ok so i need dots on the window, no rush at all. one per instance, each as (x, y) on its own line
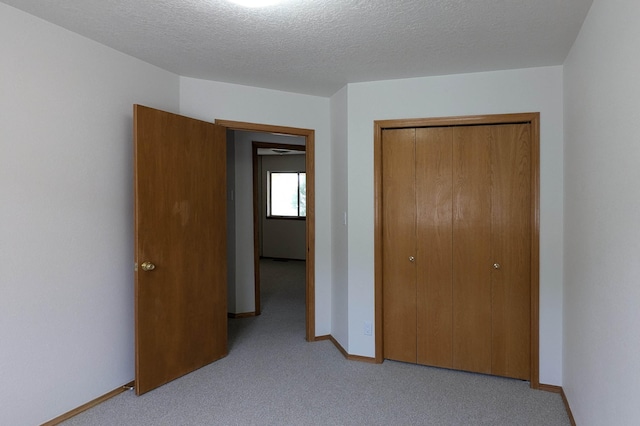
(287, 194)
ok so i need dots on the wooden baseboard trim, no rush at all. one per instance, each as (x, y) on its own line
(558, 389)
(550, 388)
(90, 404)
(320, 338)
(344, 352)
(360, 358)
(339, 347)
(241, 315)
(566, 404)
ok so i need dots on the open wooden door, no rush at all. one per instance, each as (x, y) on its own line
(180, 246)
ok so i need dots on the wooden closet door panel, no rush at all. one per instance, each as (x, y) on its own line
(511, 245)
(399, 230)
(434, 256)
(472, 249)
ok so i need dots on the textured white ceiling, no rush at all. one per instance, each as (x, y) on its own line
(318, 46)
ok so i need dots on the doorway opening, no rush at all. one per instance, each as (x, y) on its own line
(279, 204)
(308, 136)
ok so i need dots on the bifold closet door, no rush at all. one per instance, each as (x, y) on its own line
(472, 248)
(399, 251)
(434, 154)
(456, 220)
(492, 249)
(511, 250)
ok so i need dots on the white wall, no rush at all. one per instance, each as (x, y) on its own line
(243, 290)
(602, 207)
(527, 90)
(339, 242)
(66, 215)
(209, 100)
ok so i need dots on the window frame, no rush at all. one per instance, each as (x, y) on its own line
(270, 216)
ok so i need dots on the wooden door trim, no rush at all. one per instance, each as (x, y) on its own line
(527, 117)
(256, 229)
(309, 135)
(534, 119)
(256, 209)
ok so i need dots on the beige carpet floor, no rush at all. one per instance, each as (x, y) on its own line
(272, 376)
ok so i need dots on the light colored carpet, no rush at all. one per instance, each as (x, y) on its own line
(272, 376)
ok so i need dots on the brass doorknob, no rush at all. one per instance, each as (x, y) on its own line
(148, 266)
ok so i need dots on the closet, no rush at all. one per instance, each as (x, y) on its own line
(455, 212)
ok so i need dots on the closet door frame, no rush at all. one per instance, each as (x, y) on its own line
(533, 118)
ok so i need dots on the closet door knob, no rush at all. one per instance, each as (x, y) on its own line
(496, 266)
(148, 266)
(412, 259)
